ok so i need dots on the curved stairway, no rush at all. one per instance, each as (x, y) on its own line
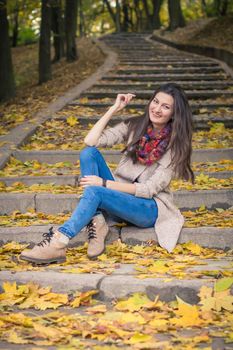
(142, 66)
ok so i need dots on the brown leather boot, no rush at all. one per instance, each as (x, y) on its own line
(50, 249)
(97, 233)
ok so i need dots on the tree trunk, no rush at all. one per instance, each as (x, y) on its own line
(175, 15)
(126, 21)
(110, 10)
(156, 23)
(148, 24)
(57, 29)
(82, 30)
(138, 16)
(7, 85)
(45, 72)
(118, 17)
(71, 12)
(15, 25)
(220, 7)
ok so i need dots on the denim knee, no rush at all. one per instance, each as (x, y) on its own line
(92, 191)
(87, 152)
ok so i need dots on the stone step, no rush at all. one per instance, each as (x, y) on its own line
(173, 70)
(200, 121)
(203, 85)
(155, 63)
(165, 77)
(102, 93)
(55, 156)
(167, 60)
(209, 237)
(72, 179)
(195, 107)
(108, 285)
(60, 203)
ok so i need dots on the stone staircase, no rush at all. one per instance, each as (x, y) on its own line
(142, 66)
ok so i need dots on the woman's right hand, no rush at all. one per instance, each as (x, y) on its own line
(121, 101)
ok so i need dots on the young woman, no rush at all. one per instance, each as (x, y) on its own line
(158, 148)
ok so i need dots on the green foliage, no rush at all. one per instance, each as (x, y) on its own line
(27, 36)
(192, 9)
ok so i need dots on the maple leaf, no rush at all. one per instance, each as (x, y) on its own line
(134, 303)
(13, 337)
(72, 120)
(223, 284)
(189, 315)
(83, 298)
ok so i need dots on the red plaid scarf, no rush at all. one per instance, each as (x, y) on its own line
(152, 146)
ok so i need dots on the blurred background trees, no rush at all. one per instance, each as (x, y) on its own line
(58, 23)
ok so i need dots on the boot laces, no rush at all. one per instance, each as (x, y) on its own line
(91, 230)
(47, 239)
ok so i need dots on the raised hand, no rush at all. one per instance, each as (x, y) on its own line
(122, 100)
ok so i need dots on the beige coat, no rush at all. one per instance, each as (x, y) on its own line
(151, 182)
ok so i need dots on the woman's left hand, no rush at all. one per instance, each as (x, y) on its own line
(91, 180)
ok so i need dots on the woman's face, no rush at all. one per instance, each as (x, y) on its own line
(161, 110)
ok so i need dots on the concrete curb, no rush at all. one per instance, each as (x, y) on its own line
(63, 203)
(54, 156)
(120, 284)
(22, 132)
(211, 237)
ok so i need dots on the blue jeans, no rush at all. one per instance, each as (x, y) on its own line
(141, 212)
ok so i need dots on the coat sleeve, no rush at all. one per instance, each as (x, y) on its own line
(158, 182)
(113, 136)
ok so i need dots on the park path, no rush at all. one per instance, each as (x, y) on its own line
(142, 66)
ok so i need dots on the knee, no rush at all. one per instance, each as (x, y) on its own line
(87, 153)
(92, 191)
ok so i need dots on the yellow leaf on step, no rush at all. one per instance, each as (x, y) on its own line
(16, 339)
(139, 338)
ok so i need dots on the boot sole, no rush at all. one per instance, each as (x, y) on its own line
(42, 261)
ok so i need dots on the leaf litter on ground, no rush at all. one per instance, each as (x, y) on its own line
(202, 182)
(135, 322)
(59, 134)
(147, 260)
(218, 217)
(16, 167)
(31, 97)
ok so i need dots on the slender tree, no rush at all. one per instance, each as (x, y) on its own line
(15, 33)
(126, 20)
(82, 24)
(57, 26)
(7, 83)
(138, 13)
(45, 71)
(152, 19)
(116, 16)
(71, 11)
(220, 7)
(156, 24)
(175, 15)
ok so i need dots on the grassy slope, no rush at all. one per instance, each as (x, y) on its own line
(32, 97)
(214, 32)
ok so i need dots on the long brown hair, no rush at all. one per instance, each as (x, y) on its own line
(181, 136)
